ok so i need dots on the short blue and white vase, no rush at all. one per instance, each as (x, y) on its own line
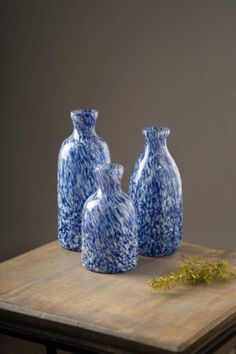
(76, 181)
(109, 227)
(156, 190)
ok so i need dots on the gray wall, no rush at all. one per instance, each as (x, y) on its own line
(139, 63)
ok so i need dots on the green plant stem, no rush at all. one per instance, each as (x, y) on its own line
(194, 271)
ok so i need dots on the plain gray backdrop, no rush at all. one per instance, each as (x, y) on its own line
(139, 63)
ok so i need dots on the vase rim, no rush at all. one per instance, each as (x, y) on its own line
(84, 111)
(159, 132)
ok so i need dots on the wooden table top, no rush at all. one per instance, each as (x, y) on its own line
(49, 285)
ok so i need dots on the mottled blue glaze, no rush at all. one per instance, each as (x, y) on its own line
(109, 227)
(155, 188)
(79, 155)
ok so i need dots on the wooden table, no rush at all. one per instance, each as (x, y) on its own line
(50, 304)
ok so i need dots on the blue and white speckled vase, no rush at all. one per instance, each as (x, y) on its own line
(155, 188)
(109, 227)
(79, 155)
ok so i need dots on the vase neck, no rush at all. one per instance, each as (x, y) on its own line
(155, 137)
(109, 177)
(84, 122)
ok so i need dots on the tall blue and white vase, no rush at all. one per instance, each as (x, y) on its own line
(109, 227)
(78, 157)
(155, 188)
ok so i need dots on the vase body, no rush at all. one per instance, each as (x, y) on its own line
(78, 157)
(109, 227)
(156, 190)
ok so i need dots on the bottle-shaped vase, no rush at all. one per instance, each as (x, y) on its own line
(78, 157)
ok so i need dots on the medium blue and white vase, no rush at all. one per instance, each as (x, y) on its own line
(78, 157)
(109, 227)
(156, 190)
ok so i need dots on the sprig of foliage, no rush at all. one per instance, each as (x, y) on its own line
(195, 271)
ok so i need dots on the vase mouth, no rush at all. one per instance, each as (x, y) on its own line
(87, 116)
(111, 168)
(156, 132)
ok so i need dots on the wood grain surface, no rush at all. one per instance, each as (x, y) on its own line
(50, 284)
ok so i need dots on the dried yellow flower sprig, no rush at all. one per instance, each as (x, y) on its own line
(195, 271)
